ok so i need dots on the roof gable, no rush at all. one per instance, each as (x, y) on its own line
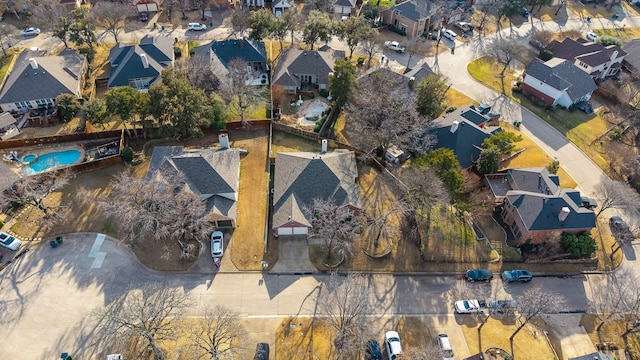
(296, 61)
(54, 75)
(563, 76)
(248, 50)
(126, 61)
(411, 11)
(590, 53)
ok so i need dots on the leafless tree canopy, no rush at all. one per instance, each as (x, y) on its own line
(199, 73)
(160, 208)
(33, 190)
(234, 89)
(616, 195)
(220, 335)
(609, 302)
(147, 316)
(335, 226)
(378, 120)
(344, 305)
(536, 301)
(111, 16)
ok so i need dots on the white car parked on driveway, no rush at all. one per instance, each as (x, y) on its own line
(196, 27)
(9, 241)
(394, 45)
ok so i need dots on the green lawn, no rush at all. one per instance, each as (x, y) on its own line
(626, 34)
(385, 3)
(582, 129)
(5, 61)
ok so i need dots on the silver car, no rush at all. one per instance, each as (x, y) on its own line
(217, 244)
(9, 241)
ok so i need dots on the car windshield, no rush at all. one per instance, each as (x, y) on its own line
(392, 339)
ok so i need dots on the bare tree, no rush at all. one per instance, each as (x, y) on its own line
(414, 46)
(378, 120)
(536, 301)
(429, 351)
(219, 335)
(632, 304)
(505, 50)
(609, 300)
(236, 89)
(146, 316)
(345, 306)
(33, 191)
(239, 21)
(371, 47)
(334, 225)
(199, 73)
(159, 208)
(486, 10)
(111, 16)
(616, 195)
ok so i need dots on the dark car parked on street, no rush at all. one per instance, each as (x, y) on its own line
(262, 352)
(517, 275)
(373, 350)
(479, 275)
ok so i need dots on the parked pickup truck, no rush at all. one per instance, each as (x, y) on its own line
(470, 306)
(394, 45)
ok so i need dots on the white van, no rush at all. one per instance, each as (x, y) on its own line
(449, 34)
(445, 346)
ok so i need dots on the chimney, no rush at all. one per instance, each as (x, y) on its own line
(324, 146)
(564, 212)
(454, 126)
(224, 140)
(34, 63)
(145, 61)
(614, 55)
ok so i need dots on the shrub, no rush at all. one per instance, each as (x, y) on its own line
(553, 166)
(451, 109)
(127, 154)
(578, 246)
(516, 89)
(545, 55)
(323, 93)
(319, 123)
(177, 51)
(361, 61)
(1, 224)
(610, 40)
(397, 30)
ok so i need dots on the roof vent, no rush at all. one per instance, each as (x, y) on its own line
(145, 61)
(454, 126)
(324, 146)
(33, 63)
(224, 140)
(564, 212)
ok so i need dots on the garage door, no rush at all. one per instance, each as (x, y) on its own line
(285, 231)
(300, 231)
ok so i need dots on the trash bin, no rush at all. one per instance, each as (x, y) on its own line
(53, 244)
(59, 240)
(211, 23)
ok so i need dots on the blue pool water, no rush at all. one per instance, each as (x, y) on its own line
(28, 158)
(52, 159)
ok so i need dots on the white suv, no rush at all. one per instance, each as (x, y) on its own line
(449, 34)
(196, 27)
(392, 343)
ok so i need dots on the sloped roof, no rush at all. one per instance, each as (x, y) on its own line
(55, 75)
(411, 11)
(212, 174)
(346, 3)
(590, 53)
(465, 142)
(593, 356)
(296, 61)
(126, 62)
(633, 50)
(6, 119)
(562, 75)
(538, 200)
(301, 177)
(226, 50)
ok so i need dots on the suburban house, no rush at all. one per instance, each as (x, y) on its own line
(412, 17)
(212, 174)
(344, 7)
(302, 177)
(147, 5)
(410, 77)
(37, 80)
(463, 131)
(254, 3)
(557, 82)
(281, 6)
(595, 59)
(534, 206)
(631, 63)
(300, 69)
(140, 66)
(220, 54)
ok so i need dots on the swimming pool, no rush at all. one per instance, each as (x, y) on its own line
(50, 160)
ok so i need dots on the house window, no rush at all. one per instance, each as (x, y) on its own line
(138, 83)
(23, 104)
(403, 27)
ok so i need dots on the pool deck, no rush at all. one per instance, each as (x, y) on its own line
(39, 151)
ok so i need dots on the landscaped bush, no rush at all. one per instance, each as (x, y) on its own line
(610, 40)
(192, 45)
(361, 61)
(516, 89)
(319, 123)
(177, 51)
(578, 246)
(451, 109)
(127, 154)
(545, 55)
(323, 93)
(397, 30)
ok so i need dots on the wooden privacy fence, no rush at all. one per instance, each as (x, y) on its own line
(57, 139)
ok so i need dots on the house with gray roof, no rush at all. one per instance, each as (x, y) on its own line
(211, 174)
(302, 69)
(219, 54)
(534, 206)
(343, 7)
(557, 82)
(36, 80)
(463, 131)
(140, 66)
(595, 59)
(302, 177)
(410, 77)
(413, 16)
(631, 62)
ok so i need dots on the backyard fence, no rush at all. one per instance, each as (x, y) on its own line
(57, 139)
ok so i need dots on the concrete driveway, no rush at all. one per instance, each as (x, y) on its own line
(293, 255)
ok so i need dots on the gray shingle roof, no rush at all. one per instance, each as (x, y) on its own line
(55, 75)
(296, 62)
(633, 50)
(562, 75)
(539, 199)
(226, 50)
(465, 142)
(301, 177)
(212, 174)
(593, 356)
(409, 10)
(6, 119)
(126, 62)
(590, 53)
(346, 3)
